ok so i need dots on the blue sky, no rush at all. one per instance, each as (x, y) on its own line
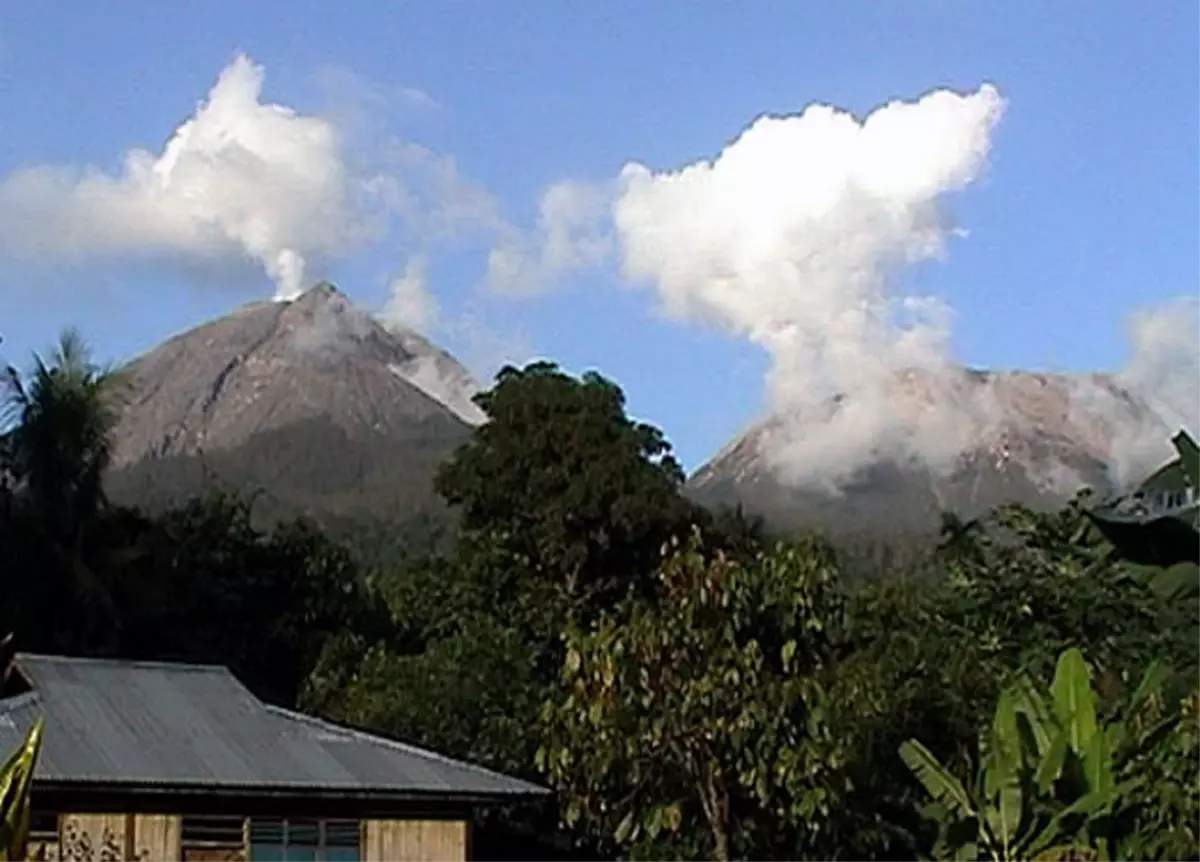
(1085, 211)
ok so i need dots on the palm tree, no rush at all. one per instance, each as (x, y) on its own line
(57, 420)
(60, 417)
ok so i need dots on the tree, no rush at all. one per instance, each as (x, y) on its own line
(701, 711)
(469, 697)
(582, 495)
(1168, 793)
(57, 421)
(61, 416)
(1025, 585)
(927, 657)
(564, 504)
(220, 590)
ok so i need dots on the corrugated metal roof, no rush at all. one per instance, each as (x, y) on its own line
(156, 724)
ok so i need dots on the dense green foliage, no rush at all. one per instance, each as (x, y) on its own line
(690, 689)
(705, 704)
(1056, 776)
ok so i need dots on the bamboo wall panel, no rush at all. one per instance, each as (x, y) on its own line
(85, 837)
(156, 836)
(415, 841)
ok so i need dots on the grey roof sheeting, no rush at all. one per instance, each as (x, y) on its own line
(157, 725)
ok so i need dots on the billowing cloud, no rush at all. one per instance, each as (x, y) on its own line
(793, 237)
(240, 178)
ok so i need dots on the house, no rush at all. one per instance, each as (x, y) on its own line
(150, 760)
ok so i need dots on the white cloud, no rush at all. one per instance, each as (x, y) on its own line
(436, 203)
(418, 98)
(239, 178)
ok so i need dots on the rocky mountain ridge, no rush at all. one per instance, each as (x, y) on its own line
(311, 404)
(271, 364)
(1007, 436)
(320, 409)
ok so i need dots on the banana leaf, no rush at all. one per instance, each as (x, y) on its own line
(16, 781)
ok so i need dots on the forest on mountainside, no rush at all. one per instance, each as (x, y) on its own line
(688, 686)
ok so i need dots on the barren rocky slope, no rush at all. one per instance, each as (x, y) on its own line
(1037, 442)
(311, 402)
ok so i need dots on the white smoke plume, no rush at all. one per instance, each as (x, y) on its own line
(239, 179)
(410, 313)
(1163, 369)
(793, 237)
(410, 302)
(444, 380)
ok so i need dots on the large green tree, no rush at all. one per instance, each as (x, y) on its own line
(572, 487)
(564, 506)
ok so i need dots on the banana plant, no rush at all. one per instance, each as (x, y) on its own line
(1049, 784)
(16, 782)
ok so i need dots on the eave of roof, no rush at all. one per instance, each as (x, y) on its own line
(160, 728)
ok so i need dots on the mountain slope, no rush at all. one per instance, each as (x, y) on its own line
(310, 402)
(1038, 444)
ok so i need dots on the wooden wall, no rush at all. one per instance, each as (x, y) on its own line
(415, 840)
(112, 836)
(158, 837)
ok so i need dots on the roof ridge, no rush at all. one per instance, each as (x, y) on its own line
(397, 744)
(157, 664)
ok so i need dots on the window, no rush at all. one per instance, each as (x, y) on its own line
(43, 825)
(303, 840)
(213, 831)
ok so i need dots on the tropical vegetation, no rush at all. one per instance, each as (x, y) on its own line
(690, 686)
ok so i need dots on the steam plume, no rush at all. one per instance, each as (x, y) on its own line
(792, 237)
(410, 303)
(240, 178)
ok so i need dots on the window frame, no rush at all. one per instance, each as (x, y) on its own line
(212, 830)
(283, 827)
